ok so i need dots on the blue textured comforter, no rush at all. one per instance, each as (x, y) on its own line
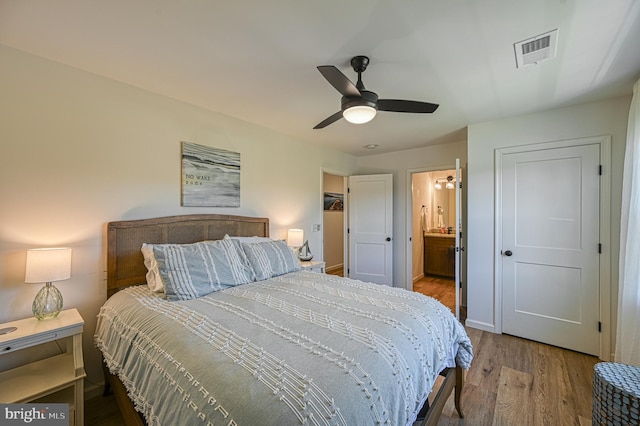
(302, 348)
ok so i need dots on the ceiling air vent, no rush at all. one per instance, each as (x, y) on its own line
(534, 50)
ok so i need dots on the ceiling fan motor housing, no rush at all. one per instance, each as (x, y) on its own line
(359, 63)
(367, 98)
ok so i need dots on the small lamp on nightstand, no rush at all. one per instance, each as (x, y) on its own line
(46, 266)
(295, 238)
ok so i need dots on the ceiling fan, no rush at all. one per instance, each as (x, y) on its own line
(360, 105)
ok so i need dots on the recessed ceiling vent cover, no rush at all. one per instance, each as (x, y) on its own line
(534, 50)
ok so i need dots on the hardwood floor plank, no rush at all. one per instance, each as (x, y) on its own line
(102, 411)
(439, 288)
(495, 351)
(513, 401)
(584, 421)
(580, 370)
(553, 392)
(476, 403)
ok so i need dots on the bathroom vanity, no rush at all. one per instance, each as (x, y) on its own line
(439, 254)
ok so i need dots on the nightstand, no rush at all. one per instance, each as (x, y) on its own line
(57, 379)
(312, 265)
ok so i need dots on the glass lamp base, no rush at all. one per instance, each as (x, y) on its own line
(48, 302)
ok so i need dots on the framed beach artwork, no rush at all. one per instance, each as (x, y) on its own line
(333, 201)
(210, 176)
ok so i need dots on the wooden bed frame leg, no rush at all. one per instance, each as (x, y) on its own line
(107, 384)
(458, 390)
(453, 381)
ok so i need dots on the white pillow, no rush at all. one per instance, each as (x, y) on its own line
(153, 274)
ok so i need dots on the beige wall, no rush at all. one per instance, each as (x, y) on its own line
(78, 151)
(594, 119)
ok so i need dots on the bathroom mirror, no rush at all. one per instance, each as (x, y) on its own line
(443, 209)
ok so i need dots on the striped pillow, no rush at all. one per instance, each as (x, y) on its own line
(194, 270)
(270, 258)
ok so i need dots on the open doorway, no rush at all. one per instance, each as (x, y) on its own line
(333, 187)
(434, 228)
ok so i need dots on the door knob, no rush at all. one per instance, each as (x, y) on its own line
(508, 253)
(388, 238)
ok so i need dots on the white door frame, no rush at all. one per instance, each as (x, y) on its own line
(458, 228)
(409, 217)
(605, 231)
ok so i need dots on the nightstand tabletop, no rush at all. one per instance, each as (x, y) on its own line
(31, 331)
(312, 265)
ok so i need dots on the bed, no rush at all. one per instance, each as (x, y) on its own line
(288, 347)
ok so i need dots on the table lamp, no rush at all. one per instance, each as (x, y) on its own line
(295, 239)
(47, 265)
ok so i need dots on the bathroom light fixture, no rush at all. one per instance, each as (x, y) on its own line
(438, 185)
(45, 266)
(450, 184)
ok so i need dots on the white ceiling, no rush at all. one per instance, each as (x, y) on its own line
(256, 59)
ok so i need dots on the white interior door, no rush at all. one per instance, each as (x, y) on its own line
(370, 210)
(550, 246)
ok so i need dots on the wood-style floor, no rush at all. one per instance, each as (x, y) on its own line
(512, 381)
(439, 288)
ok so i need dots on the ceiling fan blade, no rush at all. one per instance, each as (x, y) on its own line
(397, 105)
(338, 80)
(335, 117)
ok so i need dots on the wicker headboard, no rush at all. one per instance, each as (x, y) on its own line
(125, 264)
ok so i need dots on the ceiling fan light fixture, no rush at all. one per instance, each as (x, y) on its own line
(359, 114)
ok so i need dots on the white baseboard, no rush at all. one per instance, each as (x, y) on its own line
(480, 325)
(334, 267)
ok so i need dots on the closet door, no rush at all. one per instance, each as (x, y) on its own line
(370, 228)
(550, 201)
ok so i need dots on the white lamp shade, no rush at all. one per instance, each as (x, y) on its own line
(359, 114)
(295, 237)
(48, 265)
